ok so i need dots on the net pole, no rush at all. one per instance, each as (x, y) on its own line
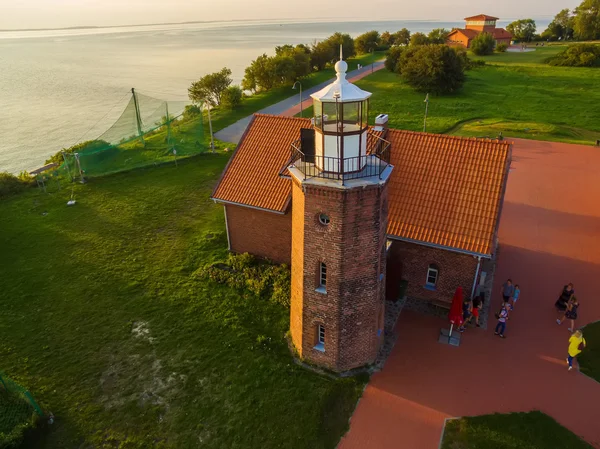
(67, 165)
(138, 117)
(212, 139)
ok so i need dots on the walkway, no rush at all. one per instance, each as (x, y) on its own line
(549, 235)
(233, 133)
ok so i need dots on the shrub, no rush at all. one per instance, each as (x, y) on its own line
(245, 272)
(501, 48)
(436, 69)
(232, 97)
(11, 185)
(392, 57)
(191, 111)
(483, 44)
(419, 39)
(87, 146)
(578, 55)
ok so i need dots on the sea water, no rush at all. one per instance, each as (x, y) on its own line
(59, 87)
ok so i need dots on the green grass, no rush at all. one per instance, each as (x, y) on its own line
(533, 430)
(104, 322)
(538, 56)
(589, 360)
(253, 103)
(515, 95)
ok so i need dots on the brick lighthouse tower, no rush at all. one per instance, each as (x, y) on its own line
(339, 174)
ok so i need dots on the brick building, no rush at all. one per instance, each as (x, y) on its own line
(359, 212)
(476, 25)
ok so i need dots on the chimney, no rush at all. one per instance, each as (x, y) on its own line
(381, 123)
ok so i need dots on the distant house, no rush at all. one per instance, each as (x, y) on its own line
(473, 27)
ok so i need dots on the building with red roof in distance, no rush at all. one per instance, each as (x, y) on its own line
(473, 27)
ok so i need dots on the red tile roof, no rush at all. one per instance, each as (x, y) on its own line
(498, 33)
(501, 33)
(252, 176)
(470, 34)
(444, 190)
(481, 17)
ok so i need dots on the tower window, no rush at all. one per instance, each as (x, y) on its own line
(432, 276)
(324, 219)
(321, 336)
(322, 275)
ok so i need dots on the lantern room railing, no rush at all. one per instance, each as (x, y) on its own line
(326, 167)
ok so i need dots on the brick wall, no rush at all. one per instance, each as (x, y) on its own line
(352, 246)
(263, 234)
(455, 270)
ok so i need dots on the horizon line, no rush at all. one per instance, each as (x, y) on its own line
(190, 22)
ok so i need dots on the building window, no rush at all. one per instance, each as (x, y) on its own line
(322, 275)
(432, 276)
(320, 338)
(324, 219)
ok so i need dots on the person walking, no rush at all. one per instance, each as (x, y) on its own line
(507, 290)
(576, 344)
(571, 312)
(502, 317)
(563, 300)
(467, 311)
(516, 294)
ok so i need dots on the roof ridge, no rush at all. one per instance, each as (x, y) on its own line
(283, 117)
(450, 136)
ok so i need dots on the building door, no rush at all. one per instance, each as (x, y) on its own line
(393, 278)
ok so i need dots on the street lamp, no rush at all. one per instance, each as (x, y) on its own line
(294, 87)
(426, 108)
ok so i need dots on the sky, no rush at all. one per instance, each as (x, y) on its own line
(19, 14)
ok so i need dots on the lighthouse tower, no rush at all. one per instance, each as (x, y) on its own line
(340, 173)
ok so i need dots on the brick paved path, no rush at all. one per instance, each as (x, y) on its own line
(549, 235)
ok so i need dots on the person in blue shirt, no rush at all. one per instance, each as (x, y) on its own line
(516, 294)
(508, 290)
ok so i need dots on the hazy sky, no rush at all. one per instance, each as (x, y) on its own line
(67, 13)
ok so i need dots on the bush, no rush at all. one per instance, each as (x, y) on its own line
(483, 44)
(577, 55)
(501, 48)
(436, 69)
(232, 97)
(87, 146)
(392, 57)
(419, 39)
(367, 42)
(191, 111)
(11, 185)
(246, 272)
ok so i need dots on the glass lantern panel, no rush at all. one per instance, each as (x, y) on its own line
(318, 113)
(330, 116)
(352, 116)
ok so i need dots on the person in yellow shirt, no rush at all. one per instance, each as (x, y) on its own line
(576, 345)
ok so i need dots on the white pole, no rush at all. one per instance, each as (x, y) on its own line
(426, 108)
(450, 334)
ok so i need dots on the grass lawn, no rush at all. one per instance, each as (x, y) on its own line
(515, 95)
(103, 321)
(253, 103)
(533, 430)
(589, 360)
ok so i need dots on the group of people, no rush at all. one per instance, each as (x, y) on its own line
(567, 305)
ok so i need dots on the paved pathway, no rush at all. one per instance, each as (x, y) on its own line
(549, 236)
(233, 133)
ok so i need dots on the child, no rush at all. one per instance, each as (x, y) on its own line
(467, 309)
(516, 294)
(477, 306)
(576, 344)
(502, 317)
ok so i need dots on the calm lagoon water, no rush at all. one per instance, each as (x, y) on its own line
(59, 87)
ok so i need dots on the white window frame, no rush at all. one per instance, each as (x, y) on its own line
(431, 268)
(324, 219)
(321, 335)
(323, 275)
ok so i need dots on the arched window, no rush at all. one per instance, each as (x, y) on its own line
(432, 275)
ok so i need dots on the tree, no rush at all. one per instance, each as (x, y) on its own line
(418, 39)
(523, 29)
(210, 87)
(586, 22)
(321, 54)
(436, 69)
(401, 37)
(347, 45)
(260, 74)
(385, 39)
(483, 44)
(438, 36)
(301, 57)
(232, 97)
(561, 27)
(392, 57)
(367, 42)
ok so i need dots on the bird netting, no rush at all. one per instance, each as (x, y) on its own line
(17, 407)
(149, 131)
